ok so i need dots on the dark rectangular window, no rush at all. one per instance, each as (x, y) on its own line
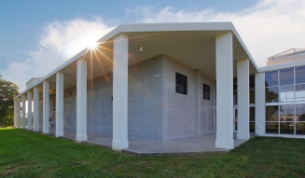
(287, 113)
(252, 119)
(272, 94)
(181, 83)
(272, 113)
(271, 79)
(272, 127)
(300, 92)
(252, 82)
(206, 92)
(286, 93)
(300, 75)
(286, 77)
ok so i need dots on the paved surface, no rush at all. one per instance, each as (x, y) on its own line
(189, 145)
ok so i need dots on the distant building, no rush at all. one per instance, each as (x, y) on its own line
(291, 55)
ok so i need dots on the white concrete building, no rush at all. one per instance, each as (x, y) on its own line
(162, 82)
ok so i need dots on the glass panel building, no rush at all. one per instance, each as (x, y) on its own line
(285, 101)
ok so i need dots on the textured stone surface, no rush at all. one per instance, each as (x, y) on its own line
(208, 117)
(144, 102)
(178, 108)
(186, 115)
(155, 110)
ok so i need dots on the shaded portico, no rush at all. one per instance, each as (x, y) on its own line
(215, 49)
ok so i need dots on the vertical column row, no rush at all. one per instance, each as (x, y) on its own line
(23, 112)
(81, 101)
(46, 107)
(59, 105)
(29, 110)
(18, 112)
(120, 93)
(243, 99)
(15, 113)
(224, 91)
(260, 103)
(36, 109)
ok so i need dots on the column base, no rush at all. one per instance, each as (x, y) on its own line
(59, 134)
(36, 129)
(224, 144)
(30, 128)
(45, 131)
(81, 138)
(243, 136)
(119, 145)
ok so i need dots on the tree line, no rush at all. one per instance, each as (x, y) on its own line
(8, 90)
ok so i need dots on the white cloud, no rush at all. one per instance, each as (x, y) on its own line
(59, 42)
(267, 28)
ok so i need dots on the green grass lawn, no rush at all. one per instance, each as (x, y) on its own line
(29, 154)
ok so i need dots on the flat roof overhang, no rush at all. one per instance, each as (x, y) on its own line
(192, 44)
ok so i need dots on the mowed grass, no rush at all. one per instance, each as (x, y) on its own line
(29, 154)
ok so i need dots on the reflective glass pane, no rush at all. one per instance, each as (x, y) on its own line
(252, 127)
(300, 128)
(287, 93)
(271, 79)
(300, 75)
(300, 112)
(252, 113)
(272, 94)
(272, 127)
(300, 92)
(287, 112)
(272, 113)
(287, 127)
(286, 77)
(252, 96)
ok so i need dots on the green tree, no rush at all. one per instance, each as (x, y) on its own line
(8, 90)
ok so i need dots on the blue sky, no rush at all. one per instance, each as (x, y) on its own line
(45, 33)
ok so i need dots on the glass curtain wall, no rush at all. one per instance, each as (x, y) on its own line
(285, 101)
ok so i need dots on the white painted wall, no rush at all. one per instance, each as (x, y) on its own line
(178, 109)
(208, 107)
(144, 101)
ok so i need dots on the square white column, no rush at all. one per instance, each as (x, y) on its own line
(46, 107)
(23, 111)
(18, 112)
(198, 101)
(36, 109)
(81, 101)
(120, 93)
(224, 91)
(59, 105)
(260, 104)
(30, 110)
(15, 113)
(243, 99)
